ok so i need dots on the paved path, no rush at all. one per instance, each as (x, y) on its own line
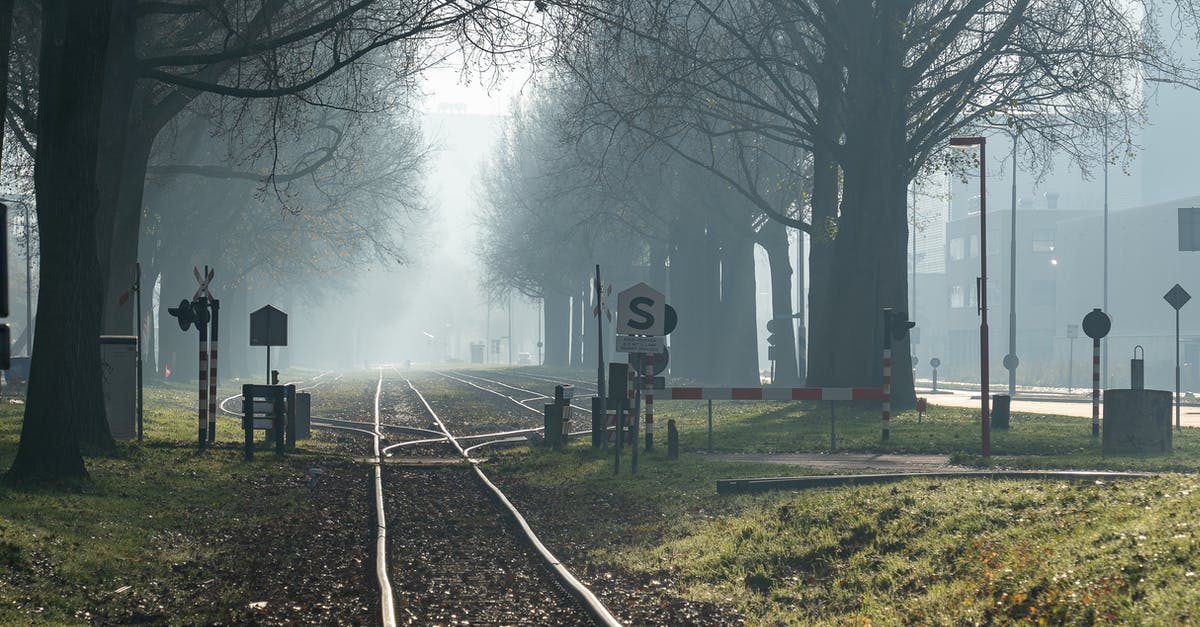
(1043, 405)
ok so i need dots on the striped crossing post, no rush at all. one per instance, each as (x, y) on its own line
(1096, 324)
(635, 398)
(1096, 388)
(648, 360)
(886, 389)
(203, 409)
(212, 371)
(886, 392)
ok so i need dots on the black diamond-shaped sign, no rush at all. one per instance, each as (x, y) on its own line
(1178, 297)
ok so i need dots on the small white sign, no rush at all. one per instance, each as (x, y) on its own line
(640, 344)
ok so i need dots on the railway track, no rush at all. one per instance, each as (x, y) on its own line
(443, 554)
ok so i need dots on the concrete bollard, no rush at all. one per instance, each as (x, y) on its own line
(1137, 421)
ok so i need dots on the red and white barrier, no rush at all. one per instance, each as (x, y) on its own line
(770, 394)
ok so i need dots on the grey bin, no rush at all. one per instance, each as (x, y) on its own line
(118, 370)
(1000, 406)
(303, 411)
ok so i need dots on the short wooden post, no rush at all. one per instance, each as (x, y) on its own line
(672, 440)
(248, 420)
(279, 419)
(290, 429)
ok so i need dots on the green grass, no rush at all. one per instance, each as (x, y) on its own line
(923, 551)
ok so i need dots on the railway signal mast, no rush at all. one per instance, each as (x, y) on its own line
(199, 311)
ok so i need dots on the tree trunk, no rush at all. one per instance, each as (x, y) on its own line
(694, 276)
(825, 201)
(774, 240)
(556, 311)
(736, 337)
(801, 327)
(6, 19)
(64, 395)
(117, 138)
(870, 247)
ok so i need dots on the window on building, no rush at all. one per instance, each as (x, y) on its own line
(974, 246)
(1043, 240)
(956, 297)
(956, 248)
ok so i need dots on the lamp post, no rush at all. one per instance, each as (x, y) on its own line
(1010, 360)
(981, 288)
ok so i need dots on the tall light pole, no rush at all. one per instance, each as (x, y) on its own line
(1104, 302)
(981, 287)
(1010, 360)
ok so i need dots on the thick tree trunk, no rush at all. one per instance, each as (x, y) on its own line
(825, 201)
(123, 228)
(117, 138)
(694, 280)
(870, 247)
(801, 327)
(64, 396)
(556, 311)
(774, 240)
(736, 340)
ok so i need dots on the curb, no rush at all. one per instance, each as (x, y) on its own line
(764, 484)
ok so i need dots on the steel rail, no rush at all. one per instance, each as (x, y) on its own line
(354, 424)
(519, 389)
(585, 596)
(387, 601)
(315, 382)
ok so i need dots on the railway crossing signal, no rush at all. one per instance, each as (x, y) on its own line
(900, 325)
(200, 311)
(185, 314)
(772, 339)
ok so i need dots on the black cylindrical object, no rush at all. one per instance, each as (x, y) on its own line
(597, 423)
(1137, 370)
(1000, 406)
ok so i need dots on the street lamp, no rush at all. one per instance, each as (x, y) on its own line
(981, 287)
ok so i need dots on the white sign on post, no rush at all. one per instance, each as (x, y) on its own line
(639, 343)
(641, 310)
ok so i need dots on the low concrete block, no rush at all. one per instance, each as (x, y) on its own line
(1137, 421)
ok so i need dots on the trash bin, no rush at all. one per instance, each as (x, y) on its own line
(118, 372)
(303, 411)
(1000, 403)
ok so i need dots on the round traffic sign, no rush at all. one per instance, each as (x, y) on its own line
(935, 362)
(1011, 361)
(1096, 324)
(658, 363)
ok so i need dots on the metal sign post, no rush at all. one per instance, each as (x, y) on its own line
(600, 304)
(1096, 325)
(204, 295)
(1177, 297)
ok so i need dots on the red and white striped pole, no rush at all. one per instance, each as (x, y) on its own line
(649, 385)
(632, 394)
(887, 392)
(886, 389)
(1096, 387)
(212, 372)
(203, 409)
